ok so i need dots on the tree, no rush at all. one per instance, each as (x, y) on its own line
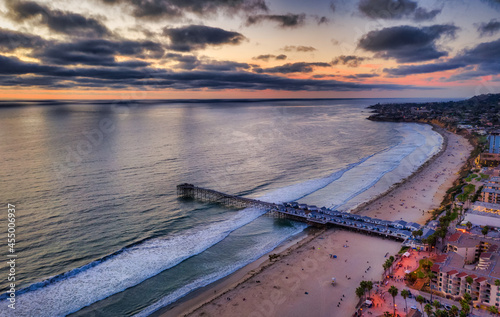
(469, 281)
(431, 241)
(405, 293)
(465, 308)
(362, 284)
(468, 225)
(420, 299)
(431, 276)
(427, 309)
(360, 292)
(436, 304)
(497, 283)
(465, 302)
(493, 310)
(485, 230)
(369, 287)
(394, 292)
(387, 314)
(454, 311)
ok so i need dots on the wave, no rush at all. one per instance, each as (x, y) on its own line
(266, 246)
(73, 290)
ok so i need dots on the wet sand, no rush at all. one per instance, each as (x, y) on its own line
(279, 288)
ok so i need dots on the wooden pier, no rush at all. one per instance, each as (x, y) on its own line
(212, 196)
(301, 212)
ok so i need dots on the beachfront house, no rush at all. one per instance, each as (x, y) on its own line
(400, 224)
(413, 226)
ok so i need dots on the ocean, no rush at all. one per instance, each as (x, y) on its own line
(99, 228)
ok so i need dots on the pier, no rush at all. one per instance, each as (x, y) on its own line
(302, 212)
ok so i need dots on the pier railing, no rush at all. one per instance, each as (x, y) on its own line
(300, 212)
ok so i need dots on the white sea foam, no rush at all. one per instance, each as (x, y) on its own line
(126, 269)
(262, 246)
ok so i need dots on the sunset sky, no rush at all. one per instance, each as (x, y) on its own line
(161, 49)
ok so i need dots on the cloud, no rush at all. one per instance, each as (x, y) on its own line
(321, 19)
(407, 43)
(58, 21)
(395, 10)
(194, 37)
(186, 62)
(422, 69)
(333, 7)
(490, 28)
(284, 21)
(300, 48)
(288, 68)
(99, 52)
(349, 60)
(17, 73)
(224, 66)
(12, 40)
(361, 76)
(481, 60)
(175, 9)
(267, 57)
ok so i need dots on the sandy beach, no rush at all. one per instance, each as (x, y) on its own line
(298, 283)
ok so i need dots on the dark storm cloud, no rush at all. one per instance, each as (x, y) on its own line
(288, 68)
(421, 69)
(58, 21)
(490, 28)
(223, 66)
(348, 60)
(333, 7)
(174, 9)
(407, 43)
(186, 62)
(321, 20)
(361, 76)
(12, 40)
(395, 10)
(284, 21)
(300, 48)
(481, 60)
(17, 73)
(267, 57)
(99, 52)
(193, 37)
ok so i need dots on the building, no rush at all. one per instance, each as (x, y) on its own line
(472, 265)
(494, 142)
(488, 159)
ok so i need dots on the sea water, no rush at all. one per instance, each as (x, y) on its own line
(99, 228)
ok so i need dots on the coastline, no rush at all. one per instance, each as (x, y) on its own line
(205, 302)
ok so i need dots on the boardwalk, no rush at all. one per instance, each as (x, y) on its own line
(302, 212)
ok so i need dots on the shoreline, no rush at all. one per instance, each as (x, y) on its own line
(206, 294)
(407, 179)
(205, 299)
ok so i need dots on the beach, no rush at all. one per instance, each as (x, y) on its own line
(299, 282)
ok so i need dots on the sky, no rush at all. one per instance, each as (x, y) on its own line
(182, 49)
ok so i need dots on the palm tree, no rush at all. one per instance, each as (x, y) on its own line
(493, 310)
(405, 293)
(436, 304)
(394, 292)
(369, 287)
(469, 281)
(431, 276)
(468, 225)
(428, 309)
(454, 311)
(360, 292)
(362, 284)
(420, 299)
(485, 230)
